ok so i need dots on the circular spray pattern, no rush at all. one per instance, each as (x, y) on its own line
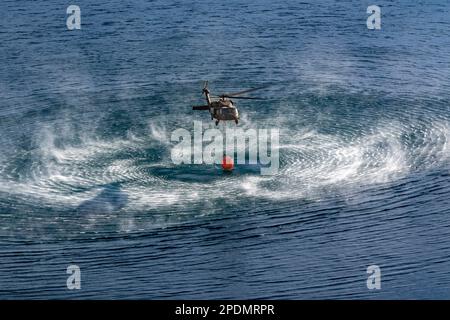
(129, 183)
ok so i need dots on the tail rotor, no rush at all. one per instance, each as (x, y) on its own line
(205, 88)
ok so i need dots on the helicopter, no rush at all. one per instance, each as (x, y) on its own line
(224, 109)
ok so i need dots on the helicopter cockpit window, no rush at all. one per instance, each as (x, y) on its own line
(227, 111)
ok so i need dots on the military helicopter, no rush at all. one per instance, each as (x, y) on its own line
(224, 109)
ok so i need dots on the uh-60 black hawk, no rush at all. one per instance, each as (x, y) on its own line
(224, 109)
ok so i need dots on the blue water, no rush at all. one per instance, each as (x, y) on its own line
(86, 176)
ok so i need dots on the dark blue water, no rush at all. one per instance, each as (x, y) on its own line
(86, 176)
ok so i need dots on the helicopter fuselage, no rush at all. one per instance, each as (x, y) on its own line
(223, 110)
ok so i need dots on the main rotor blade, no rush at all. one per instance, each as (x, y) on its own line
(200, 108)
(253, 98)
(234, 94)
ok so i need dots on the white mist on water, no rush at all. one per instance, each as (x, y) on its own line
(311, 163)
